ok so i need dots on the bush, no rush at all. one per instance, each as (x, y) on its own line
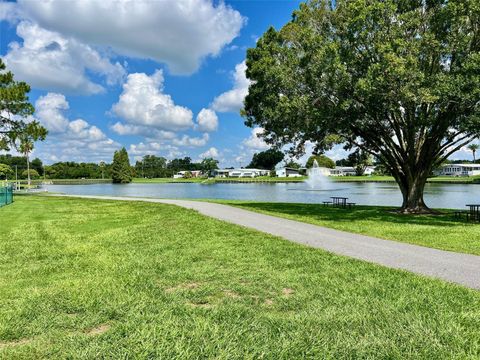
(33, 174)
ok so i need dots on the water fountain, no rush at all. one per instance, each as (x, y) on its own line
(318, 177)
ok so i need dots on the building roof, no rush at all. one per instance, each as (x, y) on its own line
(463, 165)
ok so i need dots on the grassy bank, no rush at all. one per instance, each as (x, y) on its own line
(263, 179)
(99, 279)
(436, 231)
(437, 179)
(220, 180)
(167, 180)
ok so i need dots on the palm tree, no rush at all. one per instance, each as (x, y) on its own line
(26, 147)
(102, 167)
(473, 148)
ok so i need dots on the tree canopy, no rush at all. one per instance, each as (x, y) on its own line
(398, 79)
(322, 161)
(15, 110)
(267, 159)
(360, 159)
(209, 164)
(121, 170)
(473, 148)
(30, 173)
(5, 171)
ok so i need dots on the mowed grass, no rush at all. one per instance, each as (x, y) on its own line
(442, 231)
(89, 279)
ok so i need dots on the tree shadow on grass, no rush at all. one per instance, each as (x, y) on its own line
(358, 213)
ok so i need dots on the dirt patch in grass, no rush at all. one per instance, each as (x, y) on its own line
(231, 294)
(187, 286)
(268, 302)
(19, 342)
(287, 292)
(98, 330)
(201, 305)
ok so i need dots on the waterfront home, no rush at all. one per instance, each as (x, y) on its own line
(459, 170)
(248, 173)
(287, 172)
(181, 174)
(220, 173)
(319, 170)
(350, 171)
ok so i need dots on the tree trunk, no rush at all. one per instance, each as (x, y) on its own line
(28, 170)
(412, 191)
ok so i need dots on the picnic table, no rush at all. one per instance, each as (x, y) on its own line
(474, 211)
(339, 201)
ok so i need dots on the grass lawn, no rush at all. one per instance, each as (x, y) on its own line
(106, 279)
(435, 231)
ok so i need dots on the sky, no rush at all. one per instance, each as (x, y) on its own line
(161, 77)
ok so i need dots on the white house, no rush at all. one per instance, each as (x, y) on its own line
(221, 173)
(287, 172)
(369, 170)
(248, 173)
(181, 174)
(319, 170)
(459, 170)
(343, 171)
(350, 171)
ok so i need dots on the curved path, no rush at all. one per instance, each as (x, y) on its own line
(459, 268)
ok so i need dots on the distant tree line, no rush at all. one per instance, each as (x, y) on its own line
(152, 166)
(19, 163)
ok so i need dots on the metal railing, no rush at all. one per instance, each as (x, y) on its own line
(6, 195)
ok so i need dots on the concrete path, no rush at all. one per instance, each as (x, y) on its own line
(459, 268)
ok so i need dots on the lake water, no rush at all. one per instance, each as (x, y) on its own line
(453, 196)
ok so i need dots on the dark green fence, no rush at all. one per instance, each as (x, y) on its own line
(6, 195)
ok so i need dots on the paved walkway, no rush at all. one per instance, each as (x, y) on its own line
(459, 268)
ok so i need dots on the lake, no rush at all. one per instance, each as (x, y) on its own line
(453, 196)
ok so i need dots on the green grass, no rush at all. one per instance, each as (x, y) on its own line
(436, 231)
(86, 279)
(167, 180)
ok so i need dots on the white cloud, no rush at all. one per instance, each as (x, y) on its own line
(178, 33)
(48, 60)
(232, 100)
(210, 153)
(9, 11)
(254, 141)
(143, 103)
(70, 140)
(126, 129)
(191, 141)
(207, 120)
(137, 151)
(49, 110)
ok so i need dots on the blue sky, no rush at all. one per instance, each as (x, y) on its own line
(138, 74)
(162, 77)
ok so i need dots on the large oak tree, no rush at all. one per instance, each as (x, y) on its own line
(399, 79)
